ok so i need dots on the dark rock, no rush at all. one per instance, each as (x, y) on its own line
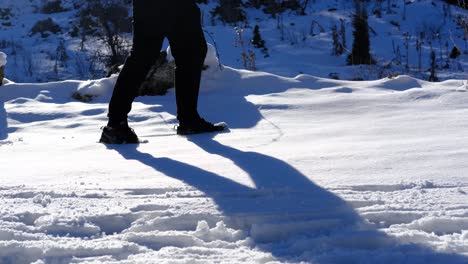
(2, 74)
(160, 78)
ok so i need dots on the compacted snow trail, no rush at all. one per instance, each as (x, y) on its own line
(312, 171)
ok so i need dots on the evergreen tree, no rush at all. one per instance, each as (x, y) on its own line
(360, 53)
(257, 40)
(455, 52)
(433, 77)
(419, 43)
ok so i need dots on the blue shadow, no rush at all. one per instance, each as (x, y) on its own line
(234, 108)
(285, 206)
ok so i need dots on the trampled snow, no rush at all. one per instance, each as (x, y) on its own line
(312, 171)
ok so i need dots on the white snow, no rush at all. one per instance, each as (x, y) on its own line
(313, 170)
(296, 44)
(99, 87)
(3, 59)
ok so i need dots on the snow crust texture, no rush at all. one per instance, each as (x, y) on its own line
(313, 171)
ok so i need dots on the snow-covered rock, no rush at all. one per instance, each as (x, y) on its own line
(3, 59)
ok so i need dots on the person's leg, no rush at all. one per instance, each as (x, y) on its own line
(188, 46)
(147, 43)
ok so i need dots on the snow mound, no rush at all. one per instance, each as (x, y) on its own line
(3, 59)
(211, 59)
(220, 232)
(401, 83)
(439, 225)
(95, 88)
(75, 227)
(42, 199)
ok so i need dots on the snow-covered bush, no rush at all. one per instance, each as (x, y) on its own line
(46, 26)
(51, 7)
(229, 11)
(247, 55)
(109, 21)
(5, 13)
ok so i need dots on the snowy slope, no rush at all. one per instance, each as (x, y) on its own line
(299, 44)
(313, 171)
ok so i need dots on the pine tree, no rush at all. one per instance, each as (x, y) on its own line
(433, 77)
(419, 43)
(257, 40)
(455, 52)
(360, 53)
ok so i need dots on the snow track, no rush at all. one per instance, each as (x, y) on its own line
(72, 225)
(157, 225)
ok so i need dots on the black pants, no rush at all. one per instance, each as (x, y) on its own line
(179, 22)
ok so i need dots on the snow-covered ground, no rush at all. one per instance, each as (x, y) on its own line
(313, 170)
(296, 44)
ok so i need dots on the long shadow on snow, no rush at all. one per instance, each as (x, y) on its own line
(286, 214)
(234, 108)
(233, 88)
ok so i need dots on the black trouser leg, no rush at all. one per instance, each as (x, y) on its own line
(179, 21)
(188, 46)
(126, 88)
(147, 43)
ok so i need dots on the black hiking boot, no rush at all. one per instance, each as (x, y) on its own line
(122, 134)
(199, 126)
